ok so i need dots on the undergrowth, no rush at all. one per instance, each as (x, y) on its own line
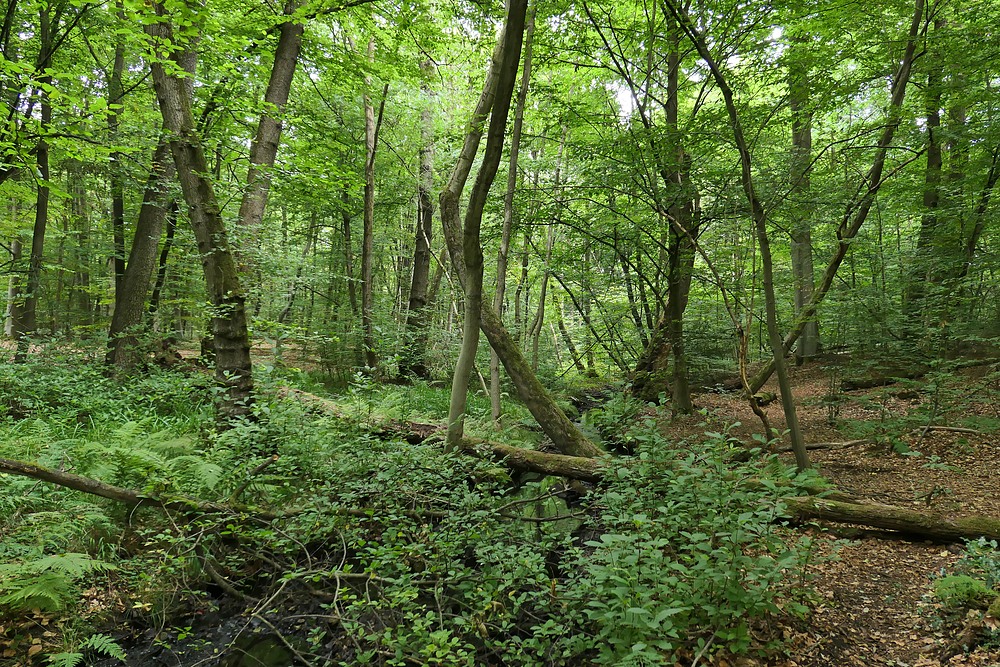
(388, 553)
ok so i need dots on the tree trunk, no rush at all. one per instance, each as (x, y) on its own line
(920, 524)
(535, 331)
(415, 337)
(161, 272)
(13, 288)
(294, 287)
(345, 214)
(760, 224)
(508, 211)
(567, 339)
(226, 296)
(368, 232)
(264, 148)
(860, 206)
(501, 80)
(927, 265)
(26, 307)
(116, 177)
(123, 343)
(799, 182)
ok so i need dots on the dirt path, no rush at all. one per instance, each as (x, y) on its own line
(876, 607)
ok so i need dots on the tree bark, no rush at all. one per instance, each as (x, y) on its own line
(759, 215)
(921, 524)
(502, 78)
(130, 298)
(508, 210)
(415, 338)
(264, 148)
(161, 271)
(799, 183)
(26, 307)
(226, 296)
(368, 231)
(116, 178)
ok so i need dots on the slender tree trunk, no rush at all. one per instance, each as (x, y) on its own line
(760, 224)
(264, 148)
(567, 339)
(293, 289)
(508, 211)
(680, 248)
(13, 288)
(497, 94)
(116, 177)
(130, 298)
(161, 272)
(801, 232)
(535, 331)
(25, 308)
(368, 233)
(345, 214)
(927, 265)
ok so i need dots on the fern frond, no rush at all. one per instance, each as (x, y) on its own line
(104, 645)
(195, 473)
(65, 659)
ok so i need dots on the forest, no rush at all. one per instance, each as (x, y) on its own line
(371, 332)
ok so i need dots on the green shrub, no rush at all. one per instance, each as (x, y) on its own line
(961, 590)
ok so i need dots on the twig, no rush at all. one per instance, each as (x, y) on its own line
(253, 473)
(828, 445)
(923, 430)
(224, 583)
(284, 642)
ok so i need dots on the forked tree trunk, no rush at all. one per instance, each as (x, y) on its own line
(497, 94)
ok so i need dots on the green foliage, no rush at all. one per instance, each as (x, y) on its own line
(46, 583)
(961, 590)
(981, 560)
(97, 644)
(425, 556)
(691, 554)
(616, 418)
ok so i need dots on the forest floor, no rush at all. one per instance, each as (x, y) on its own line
(876, 605)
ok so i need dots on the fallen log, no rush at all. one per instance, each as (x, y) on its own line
(129, 497)
(828, 504)
(923, 524)
(924, 430)
(827, 445)
(530, 460)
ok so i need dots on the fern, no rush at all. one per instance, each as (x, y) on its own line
(195, 473)
(45, 583)
(65, 659)
(105, 645)
(98, 643)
